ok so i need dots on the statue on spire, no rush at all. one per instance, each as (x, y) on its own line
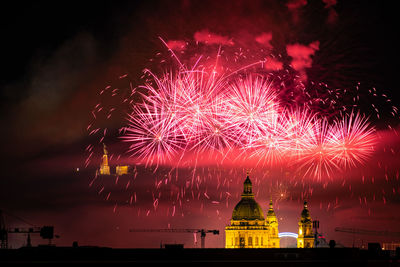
(105, 149)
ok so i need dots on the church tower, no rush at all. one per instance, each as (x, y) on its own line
(306, 237)
(272, 224)
(104, 167)
(248, 227)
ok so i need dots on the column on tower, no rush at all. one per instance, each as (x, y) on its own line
(104, 167)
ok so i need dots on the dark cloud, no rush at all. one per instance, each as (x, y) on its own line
(55, 78)
(329, 3)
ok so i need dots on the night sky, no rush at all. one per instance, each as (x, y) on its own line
(57, 56)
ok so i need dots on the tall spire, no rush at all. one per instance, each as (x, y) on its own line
(271, 212)
(305, 214)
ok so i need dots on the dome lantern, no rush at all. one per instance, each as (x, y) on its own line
(247, 186)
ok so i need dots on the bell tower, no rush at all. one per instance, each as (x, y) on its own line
(272, 224)
(306, 237)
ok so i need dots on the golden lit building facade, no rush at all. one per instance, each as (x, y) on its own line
(105, 167)
(121, 170)
(305, 238)
(248, 227)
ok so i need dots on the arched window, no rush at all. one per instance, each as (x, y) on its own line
(262, 241)
(242, 242)
(237, 241)
(256, 240)
(250, 241)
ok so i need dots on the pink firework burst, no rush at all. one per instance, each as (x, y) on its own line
(186, 97)
(271, 147)
(217, 133)
(352, 139)
(318, 158)
(253, 106)
(298, 126)
(153, 134)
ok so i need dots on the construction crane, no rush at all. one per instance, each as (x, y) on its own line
(356, 231)
(46, 232)
(202, 232)
(365, 232)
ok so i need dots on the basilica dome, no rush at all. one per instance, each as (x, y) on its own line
(247, 209)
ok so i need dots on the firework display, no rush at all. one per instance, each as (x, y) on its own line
(198, 126)
(201, 112)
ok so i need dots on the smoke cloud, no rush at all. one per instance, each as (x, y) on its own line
(177, 45)
(209, 38)
(265, 39)
(302, 57)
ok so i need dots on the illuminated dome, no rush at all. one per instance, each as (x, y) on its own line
(247, 208)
